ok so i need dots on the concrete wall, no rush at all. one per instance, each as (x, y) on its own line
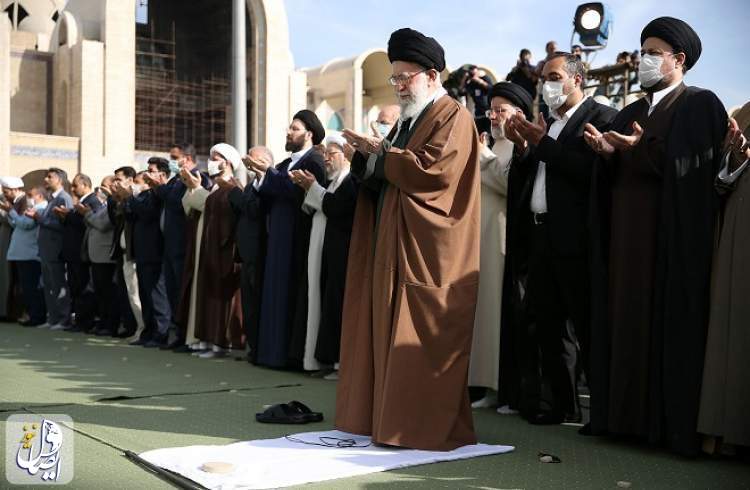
(30, 91)
(5, 28)
(38, 151)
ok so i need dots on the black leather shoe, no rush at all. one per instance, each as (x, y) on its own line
(573, 418)
(137, 342)
(182, 349)
(173, 345)
(546, 418)
(74, 328)
(585, 430)
(153, 343)
(29, 323)
(101, 332)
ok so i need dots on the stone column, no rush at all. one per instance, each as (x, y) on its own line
(5, 28)
(239, 77)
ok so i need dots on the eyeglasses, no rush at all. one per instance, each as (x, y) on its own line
(403, 78)
(490, 112)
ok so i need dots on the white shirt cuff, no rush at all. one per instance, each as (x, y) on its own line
(314, 197)
(728, 178)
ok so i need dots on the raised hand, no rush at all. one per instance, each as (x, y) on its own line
(191, 181)
(622, 142)
(363, 143)
(596, 140)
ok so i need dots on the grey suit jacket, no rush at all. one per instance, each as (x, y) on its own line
(99, 232)
(51, 229)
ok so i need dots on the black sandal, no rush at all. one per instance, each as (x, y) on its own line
(305, 411)
(281, 413)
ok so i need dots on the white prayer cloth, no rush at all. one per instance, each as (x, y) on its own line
(274, 463)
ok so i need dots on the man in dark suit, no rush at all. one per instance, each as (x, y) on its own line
(75, 253)
(56, 294)
(173, 224)
(143, 209)
(555, 174)
(121, 251)
(99, 236)
(283, 312)
(250, 243)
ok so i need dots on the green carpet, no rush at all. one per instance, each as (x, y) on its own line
(123, 397)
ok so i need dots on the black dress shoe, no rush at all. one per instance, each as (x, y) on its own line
(153, 343)
(182, 349)
(137, 342)
(546, 418)
(573, 418)
(101, 331)
(74, 328)
(29, 323)
(173, 345)
(585, 430)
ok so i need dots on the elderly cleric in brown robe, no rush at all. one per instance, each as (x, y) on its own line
(413, 268)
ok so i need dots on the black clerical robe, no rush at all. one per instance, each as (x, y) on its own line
(652, 223)
(283, 312)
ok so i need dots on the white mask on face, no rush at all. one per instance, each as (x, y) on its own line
(29, 202)
(214, 167)
(649, 70)
(137, 189)
(552, 93)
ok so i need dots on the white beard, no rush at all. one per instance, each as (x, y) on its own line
(413, 105)
(498, 132)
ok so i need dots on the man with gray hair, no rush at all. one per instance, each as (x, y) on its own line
(553, 211)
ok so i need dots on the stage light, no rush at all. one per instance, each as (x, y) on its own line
(592, 22)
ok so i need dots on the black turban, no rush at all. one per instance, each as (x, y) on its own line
(516, 95)
(414, 47)
(312, 123)
(677, 34)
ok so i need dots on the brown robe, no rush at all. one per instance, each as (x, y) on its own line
(725, 393)
(409, 309)
(218, 308)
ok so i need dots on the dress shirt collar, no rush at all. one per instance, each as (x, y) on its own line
(657, 97)
(569, 113)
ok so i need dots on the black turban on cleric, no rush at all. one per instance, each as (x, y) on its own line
(313, 124)
(515, 94)
(677, 34)
(414, 47)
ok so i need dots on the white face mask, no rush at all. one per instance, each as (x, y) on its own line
(552, 93)
(214, 167)
(649, 70)
(29, 202)
(137, 189)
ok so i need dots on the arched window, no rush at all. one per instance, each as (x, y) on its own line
(335, 122)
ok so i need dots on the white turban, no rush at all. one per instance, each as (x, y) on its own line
(336, 139)
(229, 152)
(11, 182)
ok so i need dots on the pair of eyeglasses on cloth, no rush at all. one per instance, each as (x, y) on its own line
(403, 78)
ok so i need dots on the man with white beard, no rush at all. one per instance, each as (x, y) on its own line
(505, 100)
(413, 268)
(332, 208)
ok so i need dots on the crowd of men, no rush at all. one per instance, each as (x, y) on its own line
(595, 231)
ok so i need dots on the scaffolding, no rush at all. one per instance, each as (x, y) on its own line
(170, 109)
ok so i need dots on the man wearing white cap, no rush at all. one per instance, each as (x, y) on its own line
(332, 208)
(23, 251)
(214, 320)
